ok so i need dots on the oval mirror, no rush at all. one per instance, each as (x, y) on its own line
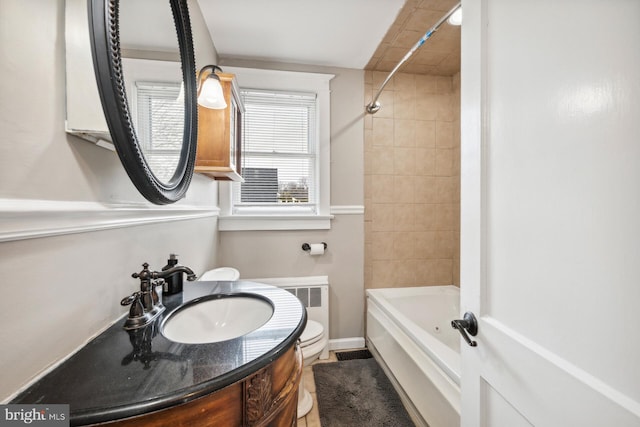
(149, 103)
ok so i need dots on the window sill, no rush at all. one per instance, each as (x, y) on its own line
(279, 222)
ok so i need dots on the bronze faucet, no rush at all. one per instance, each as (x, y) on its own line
(145, 303)
(175, 269)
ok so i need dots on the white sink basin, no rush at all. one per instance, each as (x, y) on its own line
(209, 320)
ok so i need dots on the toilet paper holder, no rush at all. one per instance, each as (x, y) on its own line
(307, 247)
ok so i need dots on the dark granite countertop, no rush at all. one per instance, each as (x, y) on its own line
(123, 373)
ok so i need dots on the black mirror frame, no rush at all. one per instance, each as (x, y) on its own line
(107, 61)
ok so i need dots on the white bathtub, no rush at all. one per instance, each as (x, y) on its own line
(409, 332)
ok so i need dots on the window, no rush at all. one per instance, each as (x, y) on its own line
(160, 124)
(285, 159)
(279, 158)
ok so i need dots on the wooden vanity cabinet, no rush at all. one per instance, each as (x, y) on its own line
(219, 135)
(266, 398)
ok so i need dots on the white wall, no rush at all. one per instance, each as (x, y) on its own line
(279, 254)
(59, 291)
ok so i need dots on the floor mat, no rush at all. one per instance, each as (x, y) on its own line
(357, 393)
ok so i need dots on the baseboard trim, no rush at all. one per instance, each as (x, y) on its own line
(346, 343)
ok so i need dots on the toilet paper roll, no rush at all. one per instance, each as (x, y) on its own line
(316, 249)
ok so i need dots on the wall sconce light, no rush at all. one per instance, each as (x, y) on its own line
(456, 17)
(210, 93)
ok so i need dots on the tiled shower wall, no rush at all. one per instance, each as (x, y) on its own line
(412, 181)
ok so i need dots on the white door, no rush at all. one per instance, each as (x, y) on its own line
(550, 241)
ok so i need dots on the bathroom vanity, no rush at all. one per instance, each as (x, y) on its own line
(139, 377)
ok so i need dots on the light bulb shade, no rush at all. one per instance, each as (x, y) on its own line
(456, 17)
(211, 95)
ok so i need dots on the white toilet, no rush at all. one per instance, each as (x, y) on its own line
(312, 341)
(222, 273)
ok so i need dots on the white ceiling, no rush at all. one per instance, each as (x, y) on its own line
(340, 33)
(147, 25)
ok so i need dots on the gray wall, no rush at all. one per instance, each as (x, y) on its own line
(279, 254)
(57, 292)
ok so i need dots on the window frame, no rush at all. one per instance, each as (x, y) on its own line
(286, 218)
(160, 90)
(305, 158)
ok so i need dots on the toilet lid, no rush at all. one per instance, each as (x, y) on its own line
(220, 273)
(312, 332)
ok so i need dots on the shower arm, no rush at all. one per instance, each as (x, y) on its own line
(374, 105)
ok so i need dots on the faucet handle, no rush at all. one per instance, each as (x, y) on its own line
(144, 274)
(135, 300)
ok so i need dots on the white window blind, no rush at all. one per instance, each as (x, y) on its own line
(280, 141)
(160, 124)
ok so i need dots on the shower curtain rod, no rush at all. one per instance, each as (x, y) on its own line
(374, 105)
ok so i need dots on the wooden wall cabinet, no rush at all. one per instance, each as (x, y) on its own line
(219, 150)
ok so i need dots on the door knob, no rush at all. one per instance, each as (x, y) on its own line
(467, 324)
